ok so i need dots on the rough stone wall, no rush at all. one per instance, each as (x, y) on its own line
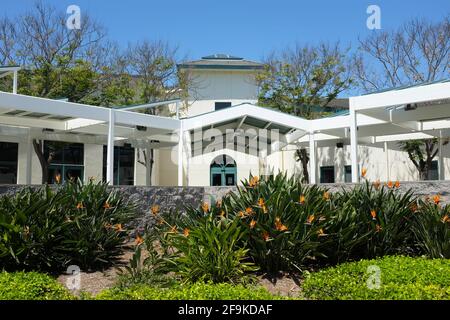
(420, 188)
(175, 198)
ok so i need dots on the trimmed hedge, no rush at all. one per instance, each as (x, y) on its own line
(31, 286)
(401, 278)
(197, 291)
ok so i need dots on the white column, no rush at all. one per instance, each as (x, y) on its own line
(388, 167)
(29, 157)
(312, 159)
(15, 82)
(110, 149)
(180, 155)
(354, 145)
(441, 157)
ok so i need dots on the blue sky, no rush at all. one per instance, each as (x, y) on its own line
(246, 28)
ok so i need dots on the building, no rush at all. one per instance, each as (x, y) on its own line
(221, 137)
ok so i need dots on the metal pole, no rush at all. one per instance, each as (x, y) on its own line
(180, 155)
(354, 146)
(110, 149)
(312, 159)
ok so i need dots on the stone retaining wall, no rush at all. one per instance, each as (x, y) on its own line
(174, 198)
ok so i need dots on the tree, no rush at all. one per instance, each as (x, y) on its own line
(154, 64)
(303, 81)
(59, 62)
(417, 52)
(422, 153)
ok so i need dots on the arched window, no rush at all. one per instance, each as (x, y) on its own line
(223, 171)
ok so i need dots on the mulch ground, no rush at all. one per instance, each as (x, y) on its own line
(95, 282)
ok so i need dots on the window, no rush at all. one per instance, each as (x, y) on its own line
(222, 105)
(8, 162)
(123, 165)
(66, 160)
(433, 174)
(223, 171)
(348, 174)
(327, 174)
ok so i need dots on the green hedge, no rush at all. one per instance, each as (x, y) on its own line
(31, 286)
(197, 291)
(401, 278)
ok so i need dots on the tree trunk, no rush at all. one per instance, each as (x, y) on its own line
(304, 159)
(37, 145)
(148, 163)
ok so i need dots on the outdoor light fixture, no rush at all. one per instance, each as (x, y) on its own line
(340, 145)
(141, 128)
(411, 106)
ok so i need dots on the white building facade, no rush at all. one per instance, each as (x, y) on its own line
(221, 136)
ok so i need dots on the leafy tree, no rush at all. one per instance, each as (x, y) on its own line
(417, 52)
(303, 81)
(60, 62)
(154, 63)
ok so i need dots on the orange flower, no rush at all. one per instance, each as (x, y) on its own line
(252, 224)
(310, 219)
(302, 199)
(266, 236)
(363, 172)
(205, 207)
(139, 240)
(118, 227)
(173, 229)
(80, 205)
(248, 211)
(222, 213)
(445, 219)
(241, 214)
(58, 178)
(326, 196)
(377, 184)
(261, 202)
(378, 228)
(321, 233)
(413, 207)
(155, 209)
(253, 181)
(397, 184)
(279, 226)
(107, 205)
(390, 184)
(186, 232)
(437, 199)
(218, 203)
(373, 213)
(264, 209)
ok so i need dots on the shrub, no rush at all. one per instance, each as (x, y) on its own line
(431, 228)
(401, 278)
(31, 286)
(197, 291)
(370, 221)
(202, 246)
(96, 224)
(45, 229)
(32, 224)
(284, 219)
